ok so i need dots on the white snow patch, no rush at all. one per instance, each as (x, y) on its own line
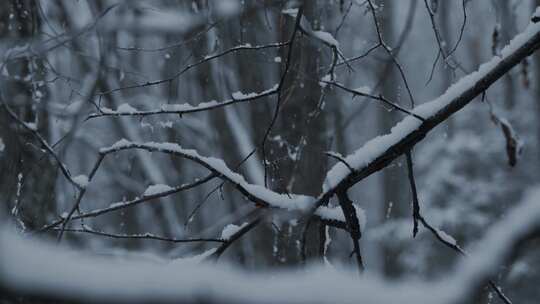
(81, 180)
(335, 213)
(446, 237)
(290, 11)
(230, 230)
(117, 204)
(157, 189)
(166, 124)
(240, 95)
(363, 90)
(326, 38)
(2, 145)
(31, 125)
(117, 145)
(326, 78)
(187, 107)
(125, 108)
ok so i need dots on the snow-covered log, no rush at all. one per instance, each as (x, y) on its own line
(39, 271)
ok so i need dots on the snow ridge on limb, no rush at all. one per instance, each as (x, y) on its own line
(255, 193)
(380, 151)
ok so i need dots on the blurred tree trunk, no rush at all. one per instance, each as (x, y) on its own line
(536, 86)
(255, 28)
(22, 161)
(298, 163)
(395, 198)
(507, 29)
(446, 33)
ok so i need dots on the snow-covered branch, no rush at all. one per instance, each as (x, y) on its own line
(184, 108)
(380, 151)
(257, 194)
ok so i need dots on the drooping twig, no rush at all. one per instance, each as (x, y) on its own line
(375, 97)
(458, 249)
(462, 28)
(353, 226)
(415, 203)
(417, 217)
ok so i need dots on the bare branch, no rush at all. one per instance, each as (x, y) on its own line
(143, 236)
(374, 97)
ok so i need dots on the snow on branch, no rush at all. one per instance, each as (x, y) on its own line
(382, 150)
(30, 268)
(255, 193)
(184, 108)
(230, 230)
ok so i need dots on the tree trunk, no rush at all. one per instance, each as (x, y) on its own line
(395, 198)
(298, 163)
(21, 164)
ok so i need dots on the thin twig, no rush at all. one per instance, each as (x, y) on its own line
(388, 50)
(80, 197)
(245, 47)
(236, 236)
(144, 236)
(375, 97)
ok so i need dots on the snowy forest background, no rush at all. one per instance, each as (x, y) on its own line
(282, 92)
